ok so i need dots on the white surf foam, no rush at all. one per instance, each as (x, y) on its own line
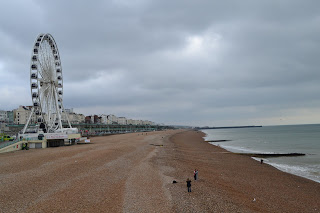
(307, 172)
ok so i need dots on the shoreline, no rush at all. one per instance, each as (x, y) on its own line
(264, 156)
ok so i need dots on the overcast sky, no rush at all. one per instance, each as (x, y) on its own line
(191, 62)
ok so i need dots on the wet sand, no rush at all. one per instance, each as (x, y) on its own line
(134, 173)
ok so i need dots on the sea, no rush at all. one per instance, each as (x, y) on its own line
(276, 139)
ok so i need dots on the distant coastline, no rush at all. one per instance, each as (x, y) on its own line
(227, 127)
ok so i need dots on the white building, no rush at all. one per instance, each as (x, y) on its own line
(21, 115)
(105, 119)
(122, 121)
(112, 119)
(130, 122)
(75, 118)
(135, 122)
(3, 116)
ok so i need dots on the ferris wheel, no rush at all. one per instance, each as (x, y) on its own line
(46, 83)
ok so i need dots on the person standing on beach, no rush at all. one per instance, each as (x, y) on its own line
(189, 184)
(195, 174)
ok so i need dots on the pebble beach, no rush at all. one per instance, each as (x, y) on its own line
(134, 173)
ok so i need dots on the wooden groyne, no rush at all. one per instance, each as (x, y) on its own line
(218, 141)
(272, 155)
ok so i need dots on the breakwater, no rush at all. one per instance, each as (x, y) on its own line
(227, 127)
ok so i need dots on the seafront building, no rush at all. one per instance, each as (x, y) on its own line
(73, 117)
(104, 119)
(15, 120)
(6, 117)
(122, 121)
(112, 119)
(130, 122)
(3, 115)
(10, 117)
(22, 114)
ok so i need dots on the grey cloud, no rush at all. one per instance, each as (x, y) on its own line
(255, 58)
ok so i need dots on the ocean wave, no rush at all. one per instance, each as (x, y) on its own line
(309, 172)
(240, 149)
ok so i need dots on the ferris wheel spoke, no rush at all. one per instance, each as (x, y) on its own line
(42, 65)
(43, 52)
(50, 60)
(41, 70)
(43, 90)
(46, 62)
(46, 57)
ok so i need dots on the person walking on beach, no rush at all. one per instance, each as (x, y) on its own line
(195, 174)
(189, 184)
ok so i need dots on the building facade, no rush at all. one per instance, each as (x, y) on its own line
(112, 119)
(10, 117)
(122, 121)
(22, 114)
(74, 118)
(3, 116)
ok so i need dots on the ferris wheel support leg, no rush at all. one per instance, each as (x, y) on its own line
(50, 107)
(66, 116)
(57, 107)
(27, 124)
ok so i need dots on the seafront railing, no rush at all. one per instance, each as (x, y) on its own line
(8, 143)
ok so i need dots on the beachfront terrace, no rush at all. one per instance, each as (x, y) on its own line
(98, 129)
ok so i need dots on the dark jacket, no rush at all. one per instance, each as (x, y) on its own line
(188, 183)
